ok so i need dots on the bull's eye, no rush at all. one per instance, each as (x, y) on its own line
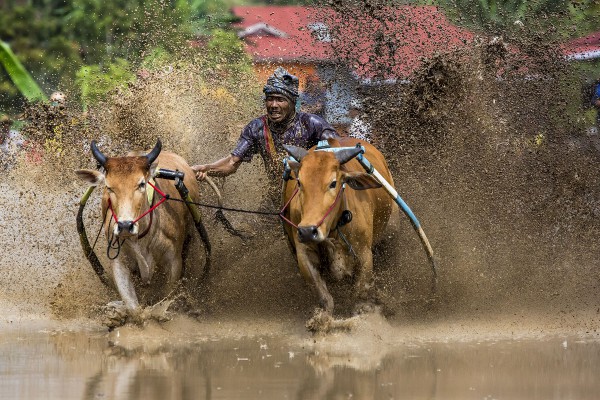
(142, 185)
(109, 190)
(332, 185)
(299, 184)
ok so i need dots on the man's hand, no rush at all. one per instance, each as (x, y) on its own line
(223, 167)
(200, 170)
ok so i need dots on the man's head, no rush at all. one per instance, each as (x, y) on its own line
(281, 93)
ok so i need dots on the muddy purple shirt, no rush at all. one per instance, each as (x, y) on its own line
(305, 131)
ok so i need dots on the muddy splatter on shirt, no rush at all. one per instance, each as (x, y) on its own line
(305, 130)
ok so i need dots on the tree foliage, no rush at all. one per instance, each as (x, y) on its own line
(558, 18)
(54, 38)
(19, 75)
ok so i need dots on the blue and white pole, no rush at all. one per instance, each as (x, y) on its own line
(370, 169)
(402, 204)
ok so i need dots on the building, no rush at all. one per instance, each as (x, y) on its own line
(345, 50)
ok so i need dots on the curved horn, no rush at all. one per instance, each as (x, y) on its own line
(343, 156)
(155, 152)
(297, 152)
(101, 158)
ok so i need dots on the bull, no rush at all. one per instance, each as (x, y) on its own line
(148, 238)
(319, 204)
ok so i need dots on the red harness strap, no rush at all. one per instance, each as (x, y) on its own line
(269, 144)
(149, 211)
(337, 198)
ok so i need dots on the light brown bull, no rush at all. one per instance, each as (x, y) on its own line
(150, 243)
(328, 183)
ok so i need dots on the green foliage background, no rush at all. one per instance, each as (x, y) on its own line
(89, 47)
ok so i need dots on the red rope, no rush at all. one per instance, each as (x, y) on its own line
(286, 206)
(164, 198)
(337, 198)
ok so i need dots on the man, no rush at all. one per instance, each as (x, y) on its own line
(596, 102)
(267, 134)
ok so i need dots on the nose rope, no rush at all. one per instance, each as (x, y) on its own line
(337, 198)
(329, 210)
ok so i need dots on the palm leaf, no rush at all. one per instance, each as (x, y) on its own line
(19, 75)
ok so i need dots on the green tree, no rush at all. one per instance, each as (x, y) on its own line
(19, 75)
(35, 35)
(55, 38)
(556, 18)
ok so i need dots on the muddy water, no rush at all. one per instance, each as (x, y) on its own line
(187, 360)
(508, 196)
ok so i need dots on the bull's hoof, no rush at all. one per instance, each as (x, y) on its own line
(114, 314)
(320, 322)
(323, 322)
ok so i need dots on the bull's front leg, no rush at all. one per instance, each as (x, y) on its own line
(122, 277)
(308, 259)
(145, 262)
(364, 275)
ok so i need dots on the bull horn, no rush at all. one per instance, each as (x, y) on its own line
(154, 152)
(343, 156)
(101, 158)
(297, 152)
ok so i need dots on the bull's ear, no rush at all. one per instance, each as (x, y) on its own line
(361, 181)
(153, 169)
(90, 176)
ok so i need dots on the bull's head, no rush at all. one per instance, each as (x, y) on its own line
(126, 179)
(321, 176)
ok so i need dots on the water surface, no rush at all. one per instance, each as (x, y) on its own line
(139, 364)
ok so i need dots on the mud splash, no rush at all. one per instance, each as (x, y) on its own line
(503, 180)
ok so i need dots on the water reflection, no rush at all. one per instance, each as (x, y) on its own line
(84, 365)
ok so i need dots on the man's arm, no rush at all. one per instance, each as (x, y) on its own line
(223, 167)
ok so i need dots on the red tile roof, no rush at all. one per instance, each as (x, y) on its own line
(584, 47)
(299, 45)
(388, 46)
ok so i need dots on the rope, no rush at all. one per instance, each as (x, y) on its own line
(227, 208)
(113, 243)
(99, 231)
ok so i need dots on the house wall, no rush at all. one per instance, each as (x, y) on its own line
(265, 69)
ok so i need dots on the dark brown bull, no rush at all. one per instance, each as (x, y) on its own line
(150, 243)
(316, 205)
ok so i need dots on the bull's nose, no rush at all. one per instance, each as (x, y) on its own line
(307, 233)
(125, 226)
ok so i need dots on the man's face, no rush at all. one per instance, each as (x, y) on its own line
(278, 107)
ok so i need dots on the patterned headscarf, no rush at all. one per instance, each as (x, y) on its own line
(283, 83)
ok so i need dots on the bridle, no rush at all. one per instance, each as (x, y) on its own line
(329, 210)
(164, 198)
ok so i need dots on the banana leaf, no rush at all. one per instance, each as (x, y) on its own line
(19, 75)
